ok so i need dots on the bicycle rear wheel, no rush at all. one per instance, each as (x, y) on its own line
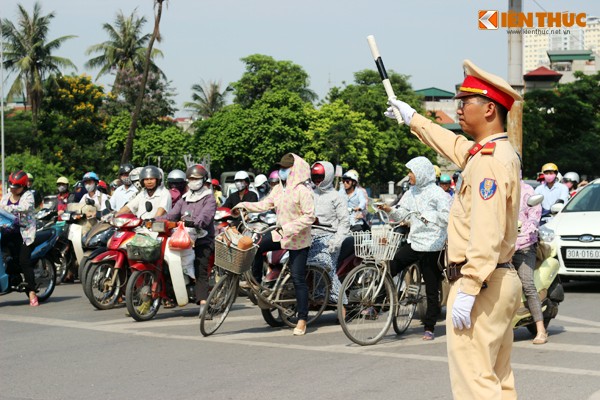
(371, 304)
(218, 303)
(408, 287)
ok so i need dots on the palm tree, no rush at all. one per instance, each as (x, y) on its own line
(28, 53)
(126, 47)
(158, 4)
(207, 99)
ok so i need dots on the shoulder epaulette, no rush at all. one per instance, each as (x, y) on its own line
(488, 149)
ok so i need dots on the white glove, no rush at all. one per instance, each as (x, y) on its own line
(461, 310)
(406, 111)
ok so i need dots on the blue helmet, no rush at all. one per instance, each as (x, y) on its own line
(90, 176)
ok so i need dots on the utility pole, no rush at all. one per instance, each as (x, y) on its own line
(514, 125)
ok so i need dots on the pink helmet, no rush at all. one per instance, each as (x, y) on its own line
(274, 177)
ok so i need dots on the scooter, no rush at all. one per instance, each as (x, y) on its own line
(547, 283)
(43, 258)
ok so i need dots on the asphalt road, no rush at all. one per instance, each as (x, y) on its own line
(65, 349)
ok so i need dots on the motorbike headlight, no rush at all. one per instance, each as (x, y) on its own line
(546, 234)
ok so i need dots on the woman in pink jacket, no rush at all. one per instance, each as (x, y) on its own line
(294, 205)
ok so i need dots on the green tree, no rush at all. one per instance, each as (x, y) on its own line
(207, 99)
(158, 4)
(74, 125)
(264, 73)
(256, 137)
(17, 132)
(125, 48)
(44, 173)
(28, 53)
(563, 126)
(170, 143)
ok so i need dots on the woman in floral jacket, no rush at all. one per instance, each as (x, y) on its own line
(20, 202)
(295, 209)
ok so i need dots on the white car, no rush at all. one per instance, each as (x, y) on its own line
(575, 231)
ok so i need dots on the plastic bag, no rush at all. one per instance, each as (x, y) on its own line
(181, 238)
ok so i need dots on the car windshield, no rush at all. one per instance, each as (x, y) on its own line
(586, 200)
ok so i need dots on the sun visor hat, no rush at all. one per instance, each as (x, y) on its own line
(286, 161)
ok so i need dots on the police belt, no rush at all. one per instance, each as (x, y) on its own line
(453, 270)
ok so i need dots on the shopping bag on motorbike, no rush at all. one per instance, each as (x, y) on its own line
(180, 240)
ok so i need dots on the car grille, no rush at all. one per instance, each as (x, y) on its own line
(586, 264)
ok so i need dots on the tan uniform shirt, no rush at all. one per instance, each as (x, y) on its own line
(482, 229)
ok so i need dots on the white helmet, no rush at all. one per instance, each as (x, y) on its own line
(351, 175)
(241, 176)
(572, 177)
(259, 180)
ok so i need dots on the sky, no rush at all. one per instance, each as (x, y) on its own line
(203, 40)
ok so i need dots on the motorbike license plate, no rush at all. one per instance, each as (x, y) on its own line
(583, 253)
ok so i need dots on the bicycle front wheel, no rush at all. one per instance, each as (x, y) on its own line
(371, 304)
(218, 303)
(318, 284)
(408, 286)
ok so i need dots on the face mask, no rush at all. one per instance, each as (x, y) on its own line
(549, 178)
(240, 186)
(284, 173)
(62, 188)
(126, 181)
(195, 185)
(91, 187)
(569, 185)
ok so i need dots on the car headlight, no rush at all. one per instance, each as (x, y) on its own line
(546, 234)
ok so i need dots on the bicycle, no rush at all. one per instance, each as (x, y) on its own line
(374, 299)
(279, 296)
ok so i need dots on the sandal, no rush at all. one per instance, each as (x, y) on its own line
(33, 302)
(428, 335)
(168, 303)
(541, 338)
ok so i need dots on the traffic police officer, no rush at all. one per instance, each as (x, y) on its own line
(482, 232)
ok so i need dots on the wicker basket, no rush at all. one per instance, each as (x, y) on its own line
(233, 259)
(379, 244)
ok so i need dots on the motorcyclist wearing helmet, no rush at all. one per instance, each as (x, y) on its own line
(37, 196)
(126, 191)
(217, 191)
(446, 184)
(571, 181)
(62, 195)
(261, 184)
(357, 203)
(20, 239)
(273, 179)
(134, 175)
(77, 193)
(176, 183)
(90, 181)
(551, 188)
(242, 183)
(331, 208)
(153, 191)
(198, 205)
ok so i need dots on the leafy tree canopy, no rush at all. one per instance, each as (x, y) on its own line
(264, 73)
(44, 173)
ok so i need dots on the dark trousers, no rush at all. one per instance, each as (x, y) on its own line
(203, 253)
(266, 244)
(346, 249)
(22, 257)
(432, 275)
(298, 266)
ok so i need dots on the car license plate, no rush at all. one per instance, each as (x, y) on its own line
(583, 253)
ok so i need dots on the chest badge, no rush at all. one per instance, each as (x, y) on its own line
(487, 188)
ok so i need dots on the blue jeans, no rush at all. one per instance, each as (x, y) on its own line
(298, 268)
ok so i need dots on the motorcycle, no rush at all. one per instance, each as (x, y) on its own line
(157, 274)
(547, 283)
(43, 258)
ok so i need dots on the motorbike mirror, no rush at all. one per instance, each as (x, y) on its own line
(90, 202)
(148, 206)
(535, 200)
(556, 208)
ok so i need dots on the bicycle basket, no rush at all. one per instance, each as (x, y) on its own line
(143, 248)
(380, 244)
(233, 259)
